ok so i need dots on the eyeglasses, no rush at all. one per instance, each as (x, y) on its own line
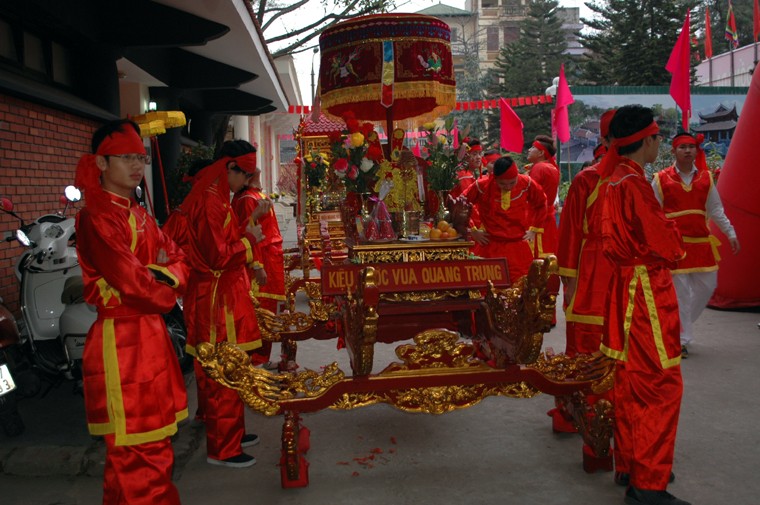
(131, 158)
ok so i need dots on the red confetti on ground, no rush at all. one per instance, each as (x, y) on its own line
(345, 463)
(376, 450)
(392, 451)
(393, 440)
(355, 474)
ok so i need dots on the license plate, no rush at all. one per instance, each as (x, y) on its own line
(6, 381)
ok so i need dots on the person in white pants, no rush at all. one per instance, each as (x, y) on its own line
(688, 195)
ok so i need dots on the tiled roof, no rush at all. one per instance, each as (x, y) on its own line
(323, 126)
(442, 10)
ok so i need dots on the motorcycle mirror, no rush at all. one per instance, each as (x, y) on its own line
(72, 194)
(23, 239)
(6, 205)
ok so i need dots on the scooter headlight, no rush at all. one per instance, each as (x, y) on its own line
(23, 239)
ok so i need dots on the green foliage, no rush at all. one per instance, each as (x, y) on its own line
(315, 167)
(630, 41)
(177, 188)
(528, 66)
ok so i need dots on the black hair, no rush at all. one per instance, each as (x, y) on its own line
(502, 165)
(472, 142)
(235, 148)
(109, 129)
(628, 120)
(197, 166)
(547, 142)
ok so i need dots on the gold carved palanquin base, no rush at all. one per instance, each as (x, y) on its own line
(437, 373)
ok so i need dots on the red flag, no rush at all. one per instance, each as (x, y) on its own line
(708, 34)
(561, 116)
(731, 34)
(679, 66)
(511, 128)
(756, 19)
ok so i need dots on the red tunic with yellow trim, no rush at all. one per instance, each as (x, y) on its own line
(507, 216)
(133, 386)
(686, 205)
(547, 176)
(579, 251)
(269, 251)
(642, 243)
(218, 306)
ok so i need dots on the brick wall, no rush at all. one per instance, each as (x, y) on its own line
(39, 150)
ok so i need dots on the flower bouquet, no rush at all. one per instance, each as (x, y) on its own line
(356, 156)
(316, 168)
(443, 158)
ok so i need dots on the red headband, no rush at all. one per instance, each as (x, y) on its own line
(604, 122)
(652, 129)
(476, 147)
(547, 155)
(687, 139)
(87, 177)
(246, 162)
(611, 159)
(700, 160)
(511, 173)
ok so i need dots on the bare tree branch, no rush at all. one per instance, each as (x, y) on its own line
(268, 12)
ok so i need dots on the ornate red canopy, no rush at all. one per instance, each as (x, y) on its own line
(387, 67)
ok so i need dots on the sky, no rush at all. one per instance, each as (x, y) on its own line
(303, 61)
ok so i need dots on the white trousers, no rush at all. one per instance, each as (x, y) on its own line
(693, 291)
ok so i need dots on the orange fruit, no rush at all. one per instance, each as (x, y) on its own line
(452, 233)
(443, 225)
(435, 234)
(445, 235)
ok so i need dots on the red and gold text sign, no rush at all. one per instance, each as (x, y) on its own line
(418, 276)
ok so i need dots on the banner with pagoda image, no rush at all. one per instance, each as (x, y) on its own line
(716, 112)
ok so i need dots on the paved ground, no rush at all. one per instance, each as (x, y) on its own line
(500, 451)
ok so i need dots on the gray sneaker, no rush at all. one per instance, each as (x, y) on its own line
(242, 460)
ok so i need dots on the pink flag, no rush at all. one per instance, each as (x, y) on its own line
(679, 65)
(561, 116)
(511, 128)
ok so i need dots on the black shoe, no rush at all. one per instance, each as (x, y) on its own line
(623, 479)
(242, 460)
(684, 352)
(249, 439)
(635, 496)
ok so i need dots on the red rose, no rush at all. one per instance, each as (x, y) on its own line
(353, 173)
(340, 165)
(352, 125)
(298, 161)
(335, 137)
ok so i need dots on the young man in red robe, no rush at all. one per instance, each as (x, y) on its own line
(642, 330)
(249, 202)
(584, 270)
(218, 306)
(512, 207)
(133, 273)
(688, 195)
